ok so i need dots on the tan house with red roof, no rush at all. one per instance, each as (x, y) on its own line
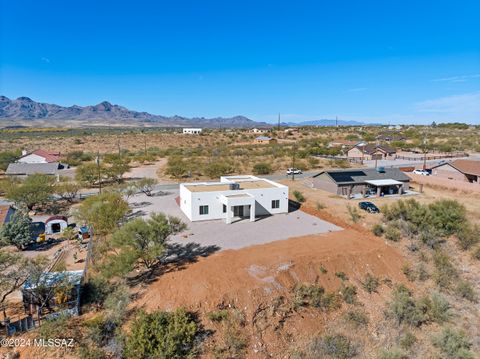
(365, 151)
(40, 156)
(459, 170)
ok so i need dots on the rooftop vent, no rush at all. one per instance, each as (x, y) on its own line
(234, 186)
(381, 169)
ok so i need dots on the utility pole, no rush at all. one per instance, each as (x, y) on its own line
(293, 161)
(99, 175)
(336, 121)
(425, 151)
(278, 127)
(119, 150)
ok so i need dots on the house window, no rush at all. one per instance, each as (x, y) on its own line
(224, 209)
(275, 203)
(203, 210)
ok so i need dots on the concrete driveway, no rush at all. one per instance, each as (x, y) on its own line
(237, 235)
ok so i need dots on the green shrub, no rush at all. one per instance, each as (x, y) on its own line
(341, 275)
(349, 294)
(453, 344)
(357, 318)
(407, 340)
(218, 315)
(262, 168)
(468, 237)
(409, 272)
(162, 335)
(392, 354)
(337, 346)
(465, 290)
(371, 283)
(314, 295)
(445, 272)
(378, 230)
(392, 233)
(299, 196)
(323, 270)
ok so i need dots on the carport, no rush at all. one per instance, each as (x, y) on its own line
(386, 186)
(238, 205)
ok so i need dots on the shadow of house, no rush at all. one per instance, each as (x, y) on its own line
(293, 206)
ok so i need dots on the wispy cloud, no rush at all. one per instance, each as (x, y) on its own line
(358, 89)
(45, 59)
(462, 106)
(461, 78)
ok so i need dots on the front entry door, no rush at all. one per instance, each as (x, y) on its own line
(238, 211)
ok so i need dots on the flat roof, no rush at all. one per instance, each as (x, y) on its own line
(383, 182)
(219, 186)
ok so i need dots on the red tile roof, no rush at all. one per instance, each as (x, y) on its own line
(48, 155)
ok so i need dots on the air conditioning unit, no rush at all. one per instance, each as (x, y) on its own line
(234, 186)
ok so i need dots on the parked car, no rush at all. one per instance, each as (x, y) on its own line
(369, 207)
(293, 171)
(421, 172)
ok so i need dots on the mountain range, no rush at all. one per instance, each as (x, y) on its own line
(25, 111)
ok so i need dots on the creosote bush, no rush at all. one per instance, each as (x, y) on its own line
(371, 283)
(314, 295)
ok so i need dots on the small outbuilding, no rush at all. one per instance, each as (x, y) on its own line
(56, 224)
(459, 170)
(192, 131)
(265, 140)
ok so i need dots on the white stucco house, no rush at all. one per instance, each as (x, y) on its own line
(39, 156)
(192, 131)
(233, 197)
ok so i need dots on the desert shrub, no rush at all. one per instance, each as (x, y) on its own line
(476, 253)
(448, 216)
(436, 307)
(299, 196)
(422, 273)
(378, 230)
(341, 275)
(323, 270)
(453, 344)
(262, 168)
(409, 272)
(392, 233)
(349, 294)
(336, 346)
(315, 296)
(217, 169)
(371, 283)
(162, 335)
(445, 271)
(354, 214)
(218, 315)
(465, 290)
(392, 354)
(356, 318)
(320, 206)
(407, 340)
(468, 237)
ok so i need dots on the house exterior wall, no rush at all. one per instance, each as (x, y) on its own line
(190, 202)
(32, 158)
(449, 172)
(356, 153)
(192, 131)
(324, 182)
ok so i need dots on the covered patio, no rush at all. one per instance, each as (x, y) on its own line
(385, 186)
(238, 206)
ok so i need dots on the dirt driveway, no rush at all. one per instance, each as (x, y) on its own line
(236, 235)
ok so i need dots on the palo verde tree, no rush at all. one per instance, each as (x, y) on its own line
(16, 232)
(12, 275)
(145, 185)
(35, 190)
(140, 244)
(103, 212)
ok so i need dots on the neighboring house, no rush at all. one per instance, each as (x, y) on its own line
(27, 169)
(363, 151)
(265, 139)
(391, 136)
(6, 214)
(233, 196)
(192, 131)
(460, 170)
(56, 224)
(364, 181)
(343, 143)
(39, 156)
(260, 130)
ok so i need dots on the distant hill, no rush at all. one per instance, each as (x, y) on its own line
(25, 112)
(326, 122)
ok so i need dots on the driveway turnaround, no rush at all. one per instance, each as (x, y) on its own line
(239, 234)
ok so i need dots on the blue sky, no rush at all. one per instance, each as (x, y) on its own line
(388, 61)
